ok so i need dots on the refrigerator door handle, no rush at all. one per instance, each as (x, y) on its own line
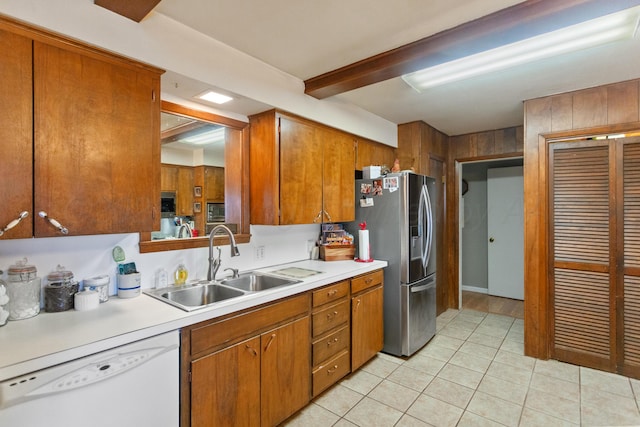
(423, 287)
(424, 212)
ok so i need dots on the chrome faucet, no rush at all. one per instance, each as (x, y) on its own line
(214, 264)
(187, 228)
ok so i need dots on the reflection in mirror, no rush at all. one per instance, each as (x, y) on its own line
(192, 177)
(203, 157)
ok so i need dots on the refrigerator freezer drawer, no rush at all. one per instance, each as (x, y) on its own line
(418, 315)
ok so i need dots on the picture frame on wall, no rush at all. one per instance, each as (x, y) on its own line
(197, 207)
(197, 191)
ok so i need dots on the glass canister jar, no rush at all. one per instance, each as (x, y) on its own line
(4, 300)
(59, 290)
(23, 289)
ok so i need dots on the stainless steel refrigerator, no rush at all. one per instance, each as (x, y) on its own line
(399, 214)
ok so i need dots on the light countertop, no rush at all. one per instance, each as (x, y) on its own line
(52, 338)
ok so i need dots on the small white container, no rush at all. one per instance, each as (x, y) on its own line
(86, 300)
(99, 284)
(371, 172)
(129, 285)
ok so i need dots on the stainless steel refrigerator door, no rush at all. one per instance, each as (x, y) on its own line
(428, 198)
(414, 228)
(418, 314)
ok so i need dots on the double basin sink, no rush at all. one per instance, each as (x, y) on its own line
(202, 294)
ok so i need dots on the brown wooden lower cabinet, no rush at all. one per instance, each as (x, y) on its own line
(367, 330)
(260, 366)
(285, 378)
(330, 335)
(229, 396)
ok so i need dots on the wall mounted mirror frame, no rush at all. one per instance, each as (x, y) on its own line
(236, 182)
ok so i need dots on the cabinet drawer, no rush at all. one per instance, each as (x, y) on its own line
(330, 293)
(329, 346)
(330, 372)
(366, 281)
(227, 331)
(331, 317)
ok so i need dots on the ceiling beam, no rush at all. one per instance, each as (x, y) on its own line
(521, 21)
(135, 10)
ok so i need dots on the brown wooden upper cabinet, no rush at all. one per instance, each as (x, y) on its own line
(301, 172)
(80, 137)
(373, 153)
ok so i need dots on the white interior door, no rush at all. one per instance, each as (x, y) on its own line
(505, 226)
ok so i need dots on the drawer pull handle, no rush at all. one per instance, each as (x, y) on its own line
(335, 340)
(271, 338)
(251, 349)
(357, 305)
(331, 316)
(332, 292)
(368, 280)
(332, 370)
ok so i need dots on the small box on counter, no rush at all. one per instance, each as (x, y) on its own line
(371, 172)
(337, 252)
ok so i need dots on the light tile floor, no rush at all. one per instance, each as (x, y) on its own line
(474, 373)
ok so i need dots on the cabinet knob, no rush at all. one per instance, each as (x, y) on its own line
(332, 370)
(332, 292)
(333, 341)
(330, 316)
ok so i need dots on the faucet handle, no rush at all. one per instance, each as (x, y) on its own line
(234, 271)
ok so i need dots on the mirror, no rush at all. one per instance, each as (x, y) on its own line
(202, 183)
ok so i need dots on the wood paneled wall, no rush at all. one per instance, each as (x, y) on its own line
(426, 150)
(605, 109)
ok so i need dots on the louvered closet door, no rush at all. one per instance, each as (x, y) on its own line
(581, 278)
(630, 316)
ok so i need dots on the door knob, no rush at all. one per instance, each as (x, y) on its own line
(491, 239)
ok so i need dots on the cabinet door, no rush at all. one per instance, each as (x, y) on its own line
(300, 173)
(374, 153)
(225, 387)
(338, 188)
(96, 138)
(169, 178)
(214, 184)
(286, 371)
(366, 326)
(16, 131)
(184, 195)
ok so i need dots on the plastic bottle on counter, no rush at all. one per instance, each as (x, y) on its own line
(181, 275)
(23, 290)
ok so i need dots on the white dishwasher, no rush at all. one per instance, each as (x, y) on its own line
(136, 384)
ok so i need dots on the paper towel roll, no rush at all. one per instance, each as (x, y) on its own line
(363, 248)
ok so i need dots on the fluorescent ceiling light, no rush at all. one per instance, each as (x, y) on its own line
(217, 98)
(592, 33)
(208, 137)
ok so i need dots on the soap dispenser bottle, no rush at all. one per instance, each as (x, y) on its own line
(181, 274)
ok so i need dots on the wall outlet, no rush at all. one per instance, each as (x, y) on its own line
(260, 252)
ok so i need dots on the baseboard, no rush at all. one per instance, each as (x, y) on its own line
(475, 289)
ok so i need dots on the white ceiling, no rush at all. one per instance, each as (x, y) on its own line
(306, 38)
